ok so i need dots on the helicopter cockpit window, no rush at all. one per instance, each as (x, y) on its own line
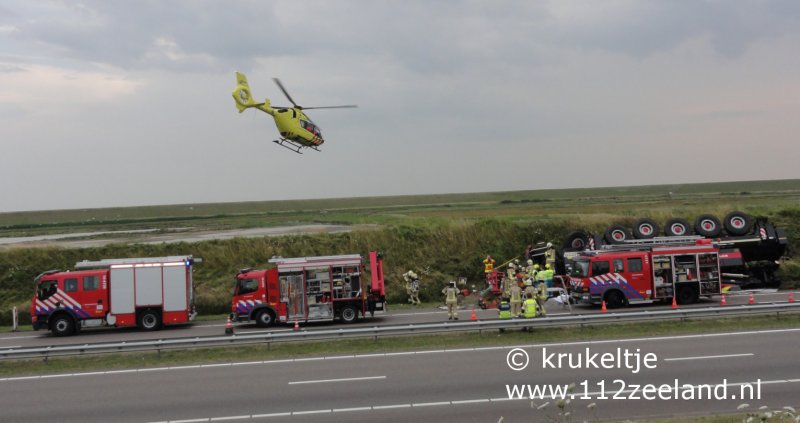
(310, 127)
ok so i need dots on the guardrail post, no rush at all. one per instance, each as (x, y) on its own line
(14, 319)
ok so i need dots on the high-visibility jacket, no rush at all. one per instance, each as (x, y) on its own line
(529, 308)
(488, 265)
(548, 274)
(504, 310)
(516, 294)
(451, 295)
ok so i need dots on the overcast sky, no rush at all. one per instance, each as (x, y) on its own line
(123, 103)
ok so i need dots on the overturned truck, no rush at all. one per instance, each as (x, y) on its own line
(750, 248)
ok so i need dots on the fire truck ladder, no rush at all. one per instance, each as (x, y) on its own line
(101, 264)
(654, 242)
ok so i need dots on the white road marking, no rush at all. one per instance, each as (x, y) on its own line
(432, 404)
(16, 337)
(349, 379)
(703, 357)
(446, 351)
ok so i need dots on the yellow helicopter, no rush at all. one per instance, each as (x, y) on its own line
(296, 129)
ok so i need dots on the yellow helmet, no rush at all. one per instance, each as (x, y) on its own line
(547, 266)
(536, 266)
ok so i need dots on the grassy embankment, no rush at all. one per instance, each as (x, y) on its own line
(440, 236)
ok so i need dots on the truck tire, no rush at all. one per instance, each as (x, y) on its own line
(738, 223)
(677, 227)
(687, 295)
(708, 226)
(62, 324)
(349, 314)
(149, 320)
(645, 229)
(576, 241)
(614, 299)
(265, 318)
(616, 234)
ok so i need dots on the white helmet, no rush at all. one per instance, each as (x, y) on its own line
(530, 262)
(549, 244)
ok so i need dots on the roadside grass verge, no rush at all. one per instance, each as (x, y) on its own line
(389, 344)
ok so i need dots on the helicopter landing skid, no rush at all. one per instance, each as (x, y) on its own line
(293, 146)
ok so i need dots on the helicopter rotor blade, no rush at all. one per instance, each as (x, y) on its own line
(346, 106)
(286, 93)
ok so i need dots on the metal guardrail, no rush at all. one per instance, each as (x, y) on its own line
(400, 330)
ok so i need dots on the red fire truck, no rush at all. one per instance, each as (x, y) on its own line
(645, 271)
(309, 289)
(143, 292)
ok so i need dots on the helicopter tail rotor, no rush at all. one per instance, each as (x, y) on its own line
(241, 95)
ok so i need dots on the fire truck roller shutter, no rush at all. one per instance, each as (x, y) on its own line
(707, 225)
(175, 287)
(122, 290)
(148, 286)
(645, 229)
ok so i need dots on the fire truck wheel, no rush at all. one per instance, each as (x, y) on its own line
(707, 225)
(677, 227)
(265, 318)
(738, 223)
(616, 234)
(349, 314)
(149, 320)
(687, 295)
(62, 325)
(614, 299)
(645, 229)
(576, 241)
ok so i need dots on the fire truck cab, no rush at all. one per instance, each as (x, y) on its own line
(308, 289)
(646, 273)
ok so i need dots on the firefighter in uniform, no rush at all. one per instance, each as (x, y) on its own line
(541, 297)
(506, 286)
(511, 271)
(516, 300)
(530, 290)
(412, 286)
(550, 256)
(533, 269)
(451, 299)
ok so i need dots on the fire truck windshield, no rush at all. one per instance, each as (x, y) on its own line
(46, 289)
(580, 268)
(246, 286)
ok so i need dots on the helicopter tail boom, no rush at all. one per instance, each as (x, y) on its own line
(243, 98)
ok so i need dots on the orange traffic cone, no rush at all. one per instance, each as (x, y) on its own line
(473, 316)
(674, 302)
(723, 302)
(229, 327)
(791, 296)
(751, 300)
(296, 326)
(603, 308)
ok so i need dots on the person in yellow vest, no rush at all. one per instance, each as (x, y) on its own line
(548, 275)
(516, 300)
(541, 297)
(488, 264)
(529, 308)
(550, 256)
(451, 299)
(504, 310)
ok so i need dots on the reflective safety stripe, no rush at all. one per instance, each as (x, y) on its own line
(451, 294)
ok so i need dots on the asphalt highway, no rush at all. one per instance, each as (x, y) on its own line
(393, 317)
(464, 385)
